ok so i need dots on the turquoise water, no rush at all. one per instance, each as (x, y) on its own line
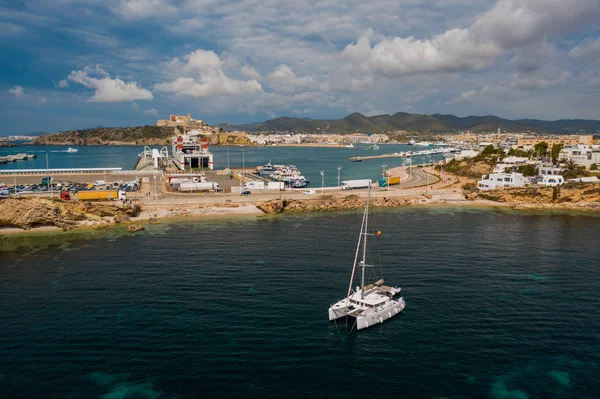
(309, 160)
(499, 306)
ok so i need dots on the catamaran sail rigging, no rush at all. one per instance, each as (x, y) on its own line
(370, 304)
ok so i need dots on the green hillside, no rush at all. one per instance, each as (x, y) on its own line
(419, 123)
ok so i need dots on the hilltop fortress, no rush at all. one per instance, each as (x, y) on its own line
(185, 121)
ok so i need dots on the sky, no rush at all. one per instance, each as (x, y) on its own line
(72, 64)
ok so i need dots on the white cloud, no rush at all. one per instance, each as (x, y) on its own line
(283, 79)
(534, 83)
(42, 100)
(109, 90)
(465, 97)
(203, 76)
(139, 9)
(151, 112)
(588, 49)
(18, 91)
(508, 26)
(250, 72)
(61, 83)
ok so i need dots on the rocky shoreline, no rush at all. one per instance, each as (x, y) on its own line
(28, 214)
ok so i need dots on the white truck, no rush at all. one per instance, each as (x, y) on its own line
(355, 184)
(255, 185)
(204, 186)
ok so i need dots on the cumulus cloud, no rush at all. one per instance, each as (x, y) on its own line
(283, 79)
(203, 76)
(108, 90)
(151, 112)
(17, 91)
(509, 25)
(250, 72)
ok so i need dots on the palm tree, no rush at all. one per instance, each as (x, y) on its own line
(570, 169)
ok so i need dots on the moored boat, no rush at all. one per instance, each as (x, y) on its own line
(369, 304)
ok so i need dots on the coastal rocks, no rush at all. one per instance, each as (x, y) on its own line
(567, 196)
(153, 221)
(132, 228)
(121, 219)
(272, 207)
(326, 204)
(27, 213)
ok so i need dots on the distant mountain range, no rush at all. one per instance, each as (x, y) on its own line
(435, 123)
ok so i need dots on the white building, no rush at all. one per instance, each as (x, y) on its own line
(499, 180)
(550, 180)
(581, 154)
(510, 162)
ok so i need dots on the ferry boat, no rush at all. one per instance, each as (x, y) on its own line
(191, 151)
(369, 304)
(266, 170)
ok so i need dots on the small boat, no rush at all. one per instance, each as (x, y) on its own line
(372, 147)
(369, 304)
(356, 159)
(350, 145)
(412, 142)
(71, 149)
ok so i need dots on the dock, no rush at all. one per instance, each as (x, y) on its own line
(433, 151)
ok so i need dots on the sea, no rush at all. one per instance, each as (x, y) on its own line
(499, 304)
(310, 160)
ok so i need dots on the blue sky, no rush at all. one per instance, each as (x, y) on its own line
(67, 64)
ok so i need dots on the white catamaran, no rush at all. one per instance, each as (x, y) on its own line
(369, 304)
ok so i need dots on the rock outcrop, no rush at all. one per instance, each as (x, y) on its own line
(325, 204)
(272, 207)
(132, 228)
(27, 213)
(569, 195)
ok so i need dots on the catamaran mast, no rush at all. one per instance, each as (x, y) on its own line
(364, 259)
(356, 256)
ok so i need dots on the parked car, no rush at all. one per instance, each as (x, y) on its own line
(245, 192)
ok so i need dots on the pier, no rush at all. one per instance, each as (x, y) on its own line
(433, 151)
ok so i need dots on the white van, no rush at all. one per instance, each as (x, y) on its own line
(99, 183)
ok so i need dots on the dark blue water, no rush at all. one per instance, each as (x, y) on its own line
(498, 306)
(309, 160)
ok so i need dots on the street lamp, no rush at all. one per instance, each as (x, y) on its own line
(322, 181)
(339, 168)
(383, 166)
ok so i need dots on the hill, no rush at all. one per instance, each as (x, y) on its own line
(137, 135)
(436, 123)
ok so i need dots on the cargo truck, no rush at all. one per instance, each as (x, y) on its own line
(200, 186)
(355, 184)
(106, 195)
(389, 181)
(255, 185)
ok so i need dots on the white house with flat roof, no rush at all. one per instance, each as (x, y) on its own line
(581, 154)
(500, 180)
(550, 180)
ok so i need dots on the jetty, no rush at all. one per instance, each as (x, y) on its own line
(433, 151)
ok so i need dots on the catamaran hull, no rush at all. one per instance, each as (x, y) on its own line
(378, 316)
